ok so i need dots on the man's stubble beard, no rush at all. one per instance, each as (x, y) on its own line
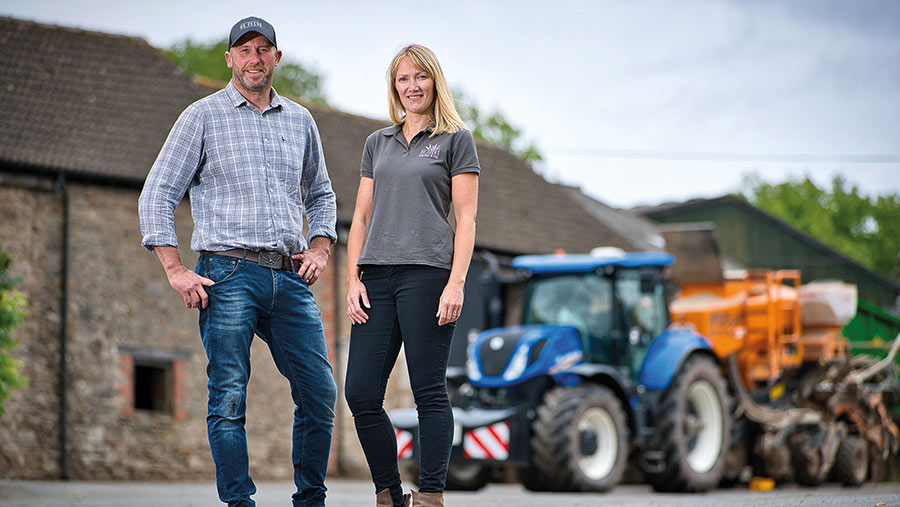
(262, 86)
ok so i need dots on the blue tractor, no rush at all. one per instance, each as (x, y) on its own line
(593, 375)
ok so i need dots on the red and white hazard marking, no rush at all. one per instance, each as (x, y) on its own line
(404, 443)
(487, 442)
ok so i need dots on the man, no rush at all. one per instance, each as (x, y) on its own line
(253, 163)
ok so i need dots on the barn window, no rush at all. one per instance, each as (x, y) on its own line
(152, 381)
(153, 386)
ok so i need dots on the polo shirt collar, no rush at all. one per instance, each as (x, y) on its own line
(392, 131)
(398, 127)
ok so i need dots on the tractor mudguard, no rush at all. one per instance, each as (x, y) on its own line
(590, 370)
(667, 352)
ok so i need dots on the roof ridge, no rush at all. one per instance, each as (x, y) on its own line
(72, 29)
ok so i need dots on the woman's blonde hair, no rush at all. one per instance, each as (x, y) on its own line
(446, 119)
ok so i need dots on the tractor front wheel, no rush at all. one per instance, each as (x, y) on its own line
(467, 476)
(580, 440)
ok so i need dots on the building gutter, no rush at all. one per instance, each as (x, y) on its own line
(63, 330)
(338, 366)
(26, 175)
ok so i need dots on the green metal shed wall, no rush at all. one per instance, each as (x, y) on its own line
(757, 240)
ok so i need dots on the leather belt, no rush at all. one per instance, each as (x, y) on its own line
(266, 259)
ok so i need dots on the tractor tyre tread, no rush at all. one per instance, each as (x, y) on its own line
(553, 459)
(677, 475)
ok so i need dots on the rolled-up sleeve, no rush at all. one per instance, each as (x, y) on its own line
(319, 199)
(169, 179)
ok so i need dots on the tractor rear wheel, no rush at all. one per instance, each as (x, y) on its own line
(694, 428)
(580, 440)
(535, 480)
(852, 461)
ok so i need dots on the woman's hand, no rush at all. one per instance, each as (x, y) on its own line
(356, 294)
(451, 303)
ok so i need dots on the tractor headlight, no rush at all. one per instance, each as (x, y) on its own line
(472, 370)
(517, 364)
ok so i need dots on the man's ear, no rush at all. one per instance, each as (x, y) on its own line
(228, 59)
(277, 57)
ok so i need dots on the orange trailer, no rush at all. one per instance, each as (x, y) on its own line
(757, 315)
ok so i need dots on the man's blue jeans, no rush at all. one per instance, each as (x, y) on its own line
(277, 306)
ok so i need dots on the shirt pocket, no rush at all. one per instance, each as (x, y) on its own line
(290, 169)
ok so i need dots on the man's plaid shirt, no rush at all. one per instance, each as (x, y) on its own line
(251, 175)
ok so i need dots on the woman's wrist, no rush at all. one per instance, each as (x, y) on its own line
(459, 282)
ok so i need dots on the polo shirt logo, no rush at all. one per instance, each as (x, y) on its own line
(431, 151)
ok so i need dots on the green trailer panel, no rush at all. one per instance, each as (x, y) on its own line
(872, 331)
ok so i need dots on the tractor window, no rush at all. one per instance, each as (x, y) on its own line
(583, 301)
(646, 311)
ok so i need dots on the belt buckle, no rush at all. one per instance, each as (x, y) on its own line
(270, 260)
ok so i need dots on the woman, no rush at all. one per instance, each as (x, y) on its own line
(406, 269)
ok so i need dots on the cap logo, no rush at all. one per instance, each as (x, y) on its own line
(250, 24)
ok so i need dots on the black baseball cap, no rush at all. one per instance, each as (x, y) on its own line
(251, 24)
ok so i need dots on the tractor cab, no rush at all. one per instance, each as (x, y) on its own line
(605, 307)
(617, 307)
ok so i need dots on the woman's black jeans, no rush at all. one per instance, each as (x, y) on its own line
(404, 301)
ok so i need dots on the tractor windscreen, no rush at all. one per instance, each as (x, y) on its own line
(583, 301)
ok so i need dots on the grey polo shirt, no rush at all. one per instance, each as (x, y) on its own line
(411, 201)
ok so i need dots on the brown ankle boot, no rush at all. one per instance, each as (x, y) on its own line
(420, 499)
(384, 499)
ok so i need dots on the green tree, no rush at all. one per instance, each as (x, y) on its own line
(886, 255)
(863, 228)
(207, 59)
(12, 311)
(494, 128)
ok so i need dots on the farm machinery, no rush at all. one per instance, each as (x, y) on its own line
(742, 371)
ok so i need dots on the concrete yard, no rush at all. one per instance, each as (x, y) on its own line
(350, 493)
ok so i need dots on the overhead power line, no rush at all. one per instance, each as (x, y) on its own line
(796, 158)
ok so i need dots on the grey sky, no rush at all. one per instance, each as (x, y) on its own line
(637, 102)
